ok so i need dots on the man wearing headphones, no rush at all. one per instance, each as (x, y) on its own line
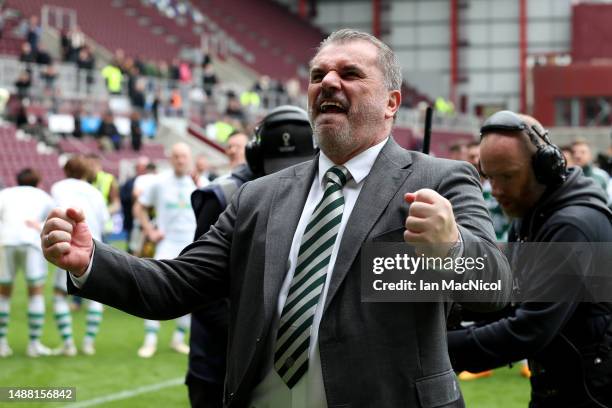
(282, 139)
(568, 343)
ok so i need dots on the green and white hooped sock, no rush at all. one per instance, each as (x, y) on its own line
(5, 308)
(36, 317)
(94, 319)
(182, 327)
(63, 318)
(151, 330)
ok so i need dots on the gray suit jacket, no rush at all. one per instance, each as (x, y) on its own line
(372, 354)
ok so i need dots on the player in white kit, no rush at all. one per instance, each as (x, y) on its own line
(75, 191)
(22, 211)
(173, 230)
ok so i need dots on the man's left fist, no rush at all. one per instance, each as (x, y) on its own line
(430, 220)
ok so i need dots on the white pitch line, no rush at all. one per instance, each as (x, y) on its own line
(128, 393)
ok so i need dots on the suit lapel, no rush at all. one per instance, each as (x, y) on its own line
(287, 205)
(389, 172)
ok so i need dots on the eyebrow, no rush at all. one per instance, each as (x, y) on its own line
(346, 68)
(352, 67)
(315, 71)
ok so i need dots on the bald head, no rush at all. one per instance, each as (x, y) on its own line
(141, 165)
(180, 159)
(506, 160)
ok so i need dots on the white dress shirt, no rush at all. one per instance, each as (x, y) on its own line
(309, 392)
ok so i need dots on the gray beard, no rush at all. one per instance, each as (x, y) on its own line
(333, 142)
(336, 142)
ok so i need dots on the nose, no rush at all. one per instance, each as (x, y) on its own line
(331, 80)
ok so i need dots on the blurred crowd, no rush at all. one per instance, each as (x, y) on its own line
(186, 88)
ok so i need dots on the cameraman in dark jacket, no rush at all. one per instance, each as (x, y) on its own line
(567, 342)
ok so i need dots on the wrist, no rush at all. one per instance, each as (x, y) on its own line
(456, 249)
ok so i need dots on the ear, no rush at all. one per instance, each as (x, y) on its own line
(393, 103)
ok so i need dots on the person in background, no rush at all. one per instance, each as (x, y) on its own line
(209, 79)
(23, 84)
(114, 77)
(137, 92)
(42, 56)
(105, 183)
(26, 55)
(77, 42)
(85, 68)
(49, 76)
(234, 109)
(64, 45)
(583, 157)
(458, 151)
(135, 131)
(568, 153)
(234, 149)
(202, 172)
(108, 136)
(126, 192)
(33, 33)
(566, 339)
(75, 190)
(23, 209)
(138, 244)
(171, 231)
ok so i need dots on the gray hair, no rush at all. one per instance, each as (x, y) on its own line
(387, 61)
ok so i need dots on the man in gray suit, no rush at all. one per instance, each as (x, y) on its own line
(287, 254)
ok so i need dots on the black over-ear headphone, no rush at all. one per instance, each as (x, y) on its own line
(548, 162)
(281, 115)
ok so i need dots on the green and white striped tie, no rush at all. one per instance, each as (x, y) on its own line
(293, 338)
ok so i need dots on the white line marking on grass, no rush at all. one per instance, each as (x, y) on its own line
(129, 393)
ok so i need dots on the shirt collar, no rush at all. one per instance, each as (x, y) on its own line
(359, 166)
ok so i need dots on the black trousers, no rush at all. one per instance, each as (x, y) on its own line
(204, 394)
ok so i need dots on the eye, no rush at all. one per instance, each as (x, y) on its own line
(316, 77)
(351, 75)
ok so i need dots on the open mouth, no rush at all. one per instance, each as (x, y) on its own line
(332, 107)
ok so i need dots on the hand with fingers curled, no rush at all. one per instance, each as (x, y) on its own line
(430, 225)
(66, 240)
(154, 235)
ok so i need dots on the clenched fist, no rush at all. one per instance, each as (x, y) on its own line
(66, 241)
(430, 221)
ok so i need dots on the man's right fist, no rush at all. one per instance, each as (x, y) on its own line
(66, 241)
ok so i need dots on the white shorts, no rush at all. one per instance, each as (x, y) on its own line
(26, 257)
(60, 280)
(168, 249)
